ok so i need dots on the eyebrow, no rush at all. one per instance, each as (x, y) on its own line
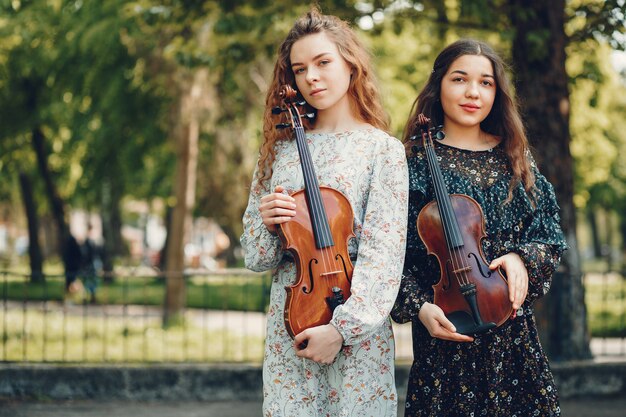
(465, 73)
(293, 64)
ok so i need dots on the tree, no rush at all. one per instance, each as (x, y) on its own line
(542, 83)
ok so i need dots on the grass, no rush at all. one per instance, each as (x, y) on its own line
(124, 325)
(605, 298)
(53, 336)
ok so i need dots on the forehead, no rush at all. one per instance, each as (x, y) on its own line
(472, 64)
(310, 46)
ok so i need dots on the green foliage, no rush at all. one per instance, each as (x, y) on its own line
(605, 297)
(103, 80)
(597, 125)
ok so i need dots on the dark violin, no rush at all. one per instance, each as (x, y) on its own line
(317, 236)
(452, 227)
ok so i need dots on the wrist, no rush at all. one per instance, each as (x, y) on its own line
(337, 337)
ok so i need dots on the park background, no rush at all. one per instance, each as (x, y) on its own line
(143, 119)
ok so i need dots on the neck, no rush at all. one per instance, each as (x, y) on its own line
(467, 137)
(338, 118)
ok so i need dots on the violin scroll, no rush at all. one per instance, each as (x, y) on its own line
(424, 124)
(292, 101)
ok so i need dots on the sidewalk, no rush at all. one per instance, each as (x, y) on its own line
(615, 407)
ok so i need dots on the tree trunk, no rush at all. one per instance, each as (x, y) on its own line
(56, 203)
(111, 226)
(622, 230)
(185, 193)
(166, 244)
(608, 249)
(34, 248)
(542, 85)
(595, 235)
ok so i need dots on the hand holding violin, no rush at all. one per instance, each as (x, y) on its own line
(277, 208)
(517, 277)
(435, 321)
(320, 344)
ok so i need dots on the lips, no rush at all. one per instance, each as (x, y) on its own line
(470, 107)
(316, 91)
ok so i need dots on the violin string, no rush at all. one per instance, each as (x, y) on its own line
(446, 212)
(452, 221)
(316, 206)
(431, 163)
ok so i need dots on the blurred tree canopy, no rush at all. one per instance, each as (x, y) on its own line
(105, 102)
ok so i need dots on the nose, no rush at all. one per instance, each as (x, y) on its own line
(312, 75)
(472, 90)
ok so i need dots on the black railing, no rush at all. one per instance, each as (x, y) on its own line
(223, 319)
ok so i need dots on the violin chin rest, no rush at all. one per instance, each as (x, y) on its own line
(465, 324)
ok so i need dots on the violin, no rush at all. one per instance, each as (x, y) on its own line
(452, 227)
(317, 236)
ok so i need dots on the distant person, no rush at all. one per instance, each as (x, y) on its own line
(72, 259)
(92, 264)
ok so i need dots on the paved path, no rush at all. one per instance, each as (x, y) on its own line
(615, 407)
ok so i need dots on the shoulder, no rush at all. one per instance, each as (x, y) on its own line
(379, 140)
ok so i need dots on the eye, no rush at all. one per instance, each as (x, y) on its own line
(299, 70)
(458, 79)
(325, 62)
(487, 83)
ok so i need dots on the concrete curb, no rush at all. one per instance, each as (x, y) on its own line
(232, 382)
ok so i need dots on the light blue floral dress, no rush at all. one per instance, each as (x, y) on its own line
(369, 167)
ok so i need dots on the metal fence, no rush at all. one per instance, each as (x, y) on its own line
(223, 319)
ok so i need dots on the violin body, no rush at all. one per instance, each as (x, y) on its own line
(492, 296)
(318, 270)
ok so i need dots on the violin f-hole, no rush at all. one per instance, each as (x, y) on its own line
(311, 280)
(480, 267)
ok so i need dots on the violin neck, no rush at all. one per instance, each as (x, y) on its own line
(446, 212)
(317, 212)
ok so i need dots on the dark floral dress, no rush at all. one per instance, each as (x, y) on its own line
(504, 372)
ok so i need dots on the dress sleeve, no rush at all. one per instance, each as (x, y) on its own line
(262, 250)
(542, 242)
(378, 268)
(412, 294)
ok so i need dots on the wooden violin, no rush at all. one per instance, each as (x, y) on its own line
(317, 236)
(452, 227)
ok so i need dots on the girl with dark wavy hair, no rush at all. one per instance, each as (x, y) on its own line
(345, 368)
(485, 155)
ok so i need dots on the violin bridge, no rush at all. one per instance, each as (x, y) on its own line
(467, 268)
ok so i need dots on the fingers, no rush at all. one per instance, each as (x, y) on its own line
(300, 343)
(277, 208)
(441, 332)
(520, 290)
(320, 344)
(518, 286)
(438, 324)
(496, 263)
(517, 277)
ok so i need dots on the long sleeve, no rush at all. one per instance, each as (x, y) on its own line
(413, 294)
(262, 250)
(378, 268)
(542, 242)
